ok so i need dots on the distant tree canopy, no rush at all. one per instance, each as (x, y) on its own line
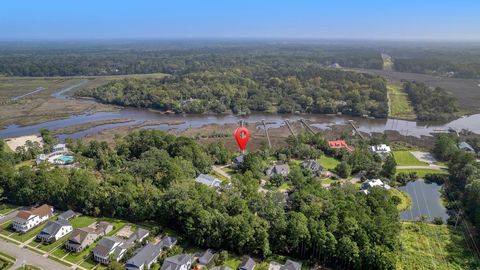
(173, 58)
(254, 88)
(431, 104)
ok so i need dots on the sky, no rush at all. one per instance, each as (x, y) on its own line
(294, 19)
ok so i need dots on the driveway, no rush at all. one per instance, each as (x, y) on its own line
(29, 257)
(428, 167)
(424, 156)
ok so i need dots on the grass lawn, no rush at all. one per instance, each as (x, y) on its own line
(405, 158)
(400, 106)
(329, 181)
(422, 172)
(427, 246)
(328, 163)
(6, 208)
(232, 262)
(59, 261)
(4, 264)
(406, 201)
(82, 221)
(8, 257)
(89, 264)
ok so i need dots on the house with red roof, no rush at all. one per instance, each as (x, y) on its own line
(339, 144)
(26, 220)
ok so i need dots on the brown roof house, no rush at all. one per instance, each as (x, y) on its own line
(26, 220)
(83, 237)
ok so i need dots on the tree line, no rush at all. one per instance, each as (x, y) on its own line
(149, 175)
(283, 89)
(431, 104)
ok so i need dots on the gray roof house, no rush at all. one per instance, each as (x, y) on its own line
(282, 169)
(168, 242)
(109, 247)
(67, 215)
(238, 160)
(208, 180)
(311, 165)
(206, 257)
(466, 147)
(247, 263)
(177, 262)
(138, 236)
(144, 258)
(291, 265)
(54, 230)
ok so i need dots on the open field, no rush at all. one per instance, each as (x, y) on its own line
(422, 172)
(427, 246)
(405, 158)
(467, 91)
(400, 106)
(11, 87)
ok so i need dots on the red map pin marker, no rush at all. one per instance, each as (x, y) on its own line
(241, 136)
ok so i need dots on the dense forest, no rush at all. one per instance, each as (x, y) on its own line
(174, 57)
(431, 104)
(283, 89)
(149, 175)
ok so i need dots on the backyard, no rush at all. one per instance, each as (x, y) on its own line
(405, 158)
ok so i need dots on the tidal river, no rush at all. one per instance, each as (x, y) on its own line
(137, 116)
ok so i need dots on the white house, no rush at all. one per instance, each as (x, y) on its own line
(381, 149)
(26, 220)
(373, 183)
(54, 230)
(61, 147)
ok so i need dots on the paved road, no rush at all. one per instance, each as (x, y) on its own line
(29, 257)
(8, 217)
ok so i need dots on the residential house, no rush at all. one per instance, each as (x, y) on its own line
(26, 220)
(208, 180)
(137, 237)
(312, 166)
(177, 262)
(168, 242)
(238, 161)
(373, 183)
(247, 263)
(54, 230)
(144, 258)
(291, 265)
(206, 257)
(381, 149)
(67, 215)
(282, 169)
(61, 147)
(339, 144)
(109, 247)
(83, 237)
(466, 147)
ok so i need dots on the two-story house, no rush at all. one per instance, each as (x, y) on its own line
(109, 247)
(83, 237)
(26, 220)
(177, 262)
(54, 230)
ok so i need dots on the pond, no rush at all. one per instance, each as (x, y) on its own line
(426, 201)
